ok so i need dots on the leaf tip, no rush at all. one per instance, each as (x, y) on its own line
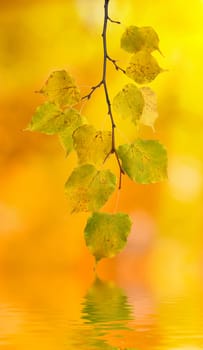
(163, 70)
(161, 53)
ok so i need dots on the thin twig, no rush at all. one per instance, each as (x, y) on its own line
(121, 171)
(93, 88)
(110, 113)
(104, 83)
(112, 21)
(115, 64)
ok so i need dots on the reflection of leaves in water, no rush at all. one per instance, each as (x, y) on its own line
(89, 338)
(106, 306)
(105, 310)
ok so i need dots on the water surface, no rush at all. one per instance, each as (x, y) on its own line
(59, 313)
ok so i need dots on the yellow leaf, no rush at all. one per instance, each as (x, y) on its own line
(135, 39)
(143, 67)
(149, 38)
(73, 120)
(60, 88)
(150, 111)
(145, 161)
(88, 189)
(131, 40)
(91, 145)
(129, 103)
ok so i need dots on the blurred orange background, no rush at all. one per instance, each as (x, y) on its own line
(37, 233)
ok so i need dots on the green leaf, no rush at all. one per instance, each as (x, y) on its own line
(73, 120)
(92, 146)
(131, 40)
(143, 67)
(135, 39)
(88, 189)
(50, 120)
(60, 88)
(106, 234)
(129, 103)
(150, 111)
(145, 161)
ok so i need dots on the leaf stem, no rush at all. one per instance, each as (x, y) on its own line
(93, 88)
(112, 21)
(115, 64)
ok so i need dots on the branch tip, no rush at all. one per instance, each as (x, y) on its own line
(113, 21)
(93, 88)
(115, 64)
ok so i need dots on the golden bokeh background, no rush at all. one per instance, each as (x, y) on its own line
(38, 237)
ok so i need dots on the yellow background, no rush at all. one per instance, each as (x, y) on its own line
(38, 237)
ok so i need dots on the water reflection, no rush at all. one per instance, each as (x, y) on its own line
(113, 321)
(105, 308)
(61, 313)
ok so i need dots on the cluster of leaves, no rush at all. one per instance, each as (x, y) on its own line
(145, 161)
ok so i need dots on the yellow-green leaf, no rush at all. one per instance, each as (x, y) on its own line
(61, 89)
(106, 234)
(143, 67)
(131, 40)
(73, 120)
(135, 39)
(66, 139)
(149, 38)
(145, 161)
(129, 103)
(150, 111)
(49, 119)
(92, 146)
(88, 189)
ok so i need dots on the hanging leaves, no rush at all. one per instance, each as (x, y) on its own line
(150, 111)
(91, 145)
(60, 88)
(145, 161)
(129, 103)
(88, 189)
(106, 234)
(135, 39)
(143, 67)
